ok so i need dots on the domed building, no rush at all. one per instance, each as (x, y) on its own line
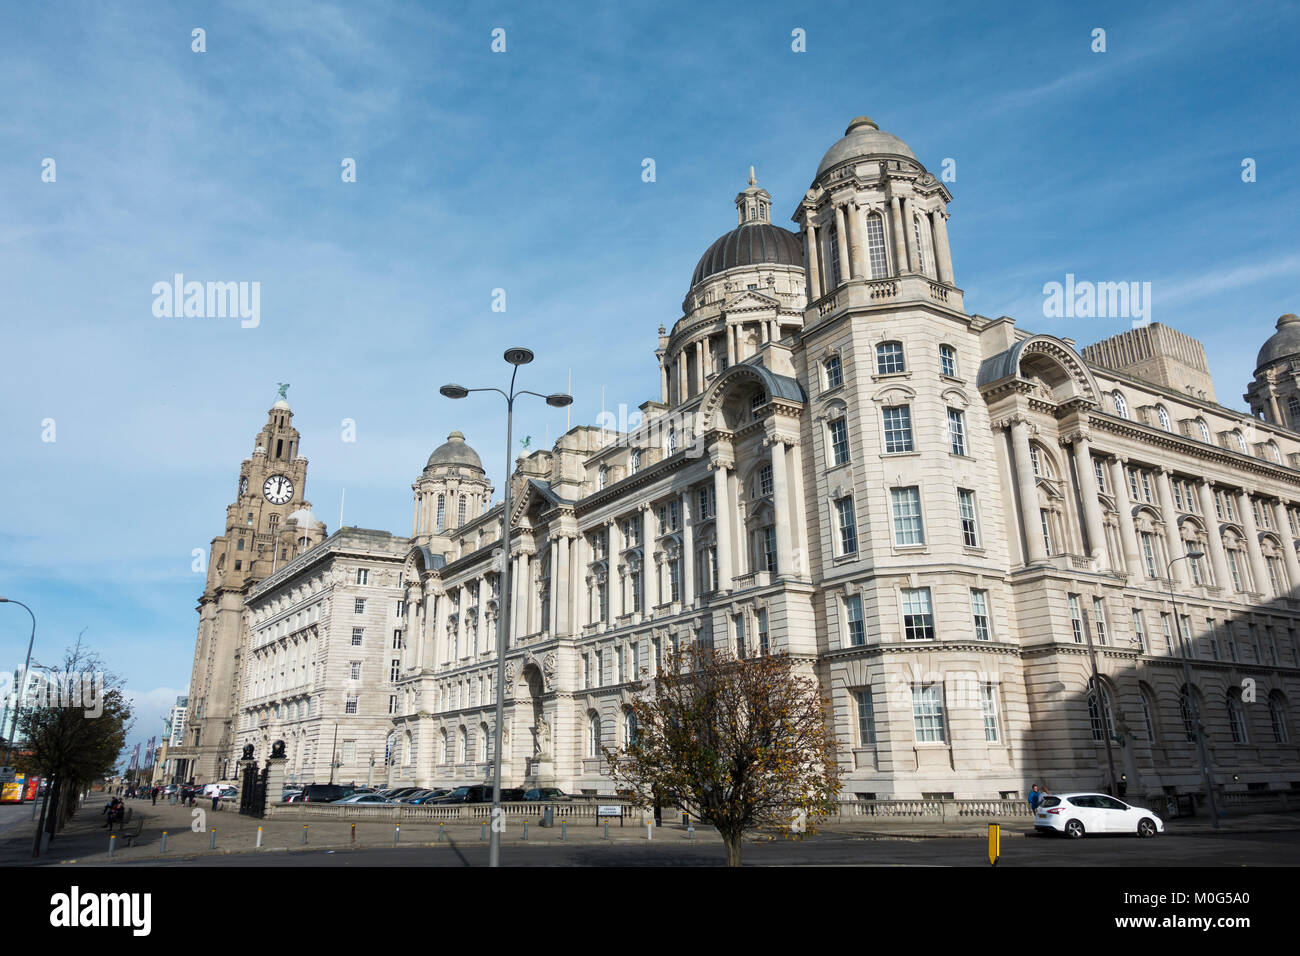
(967, 531)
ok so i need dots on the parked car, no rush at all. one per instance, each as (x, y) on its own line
(289, 796)
(511, 795)
(1077, 814)
(323, 793)
(229, 793)
(424, 796)
(368, 799)
(476, 793)
(401, 792)
(545, 794)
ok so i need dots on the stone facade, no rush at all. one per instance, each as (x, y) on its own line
(954, 523)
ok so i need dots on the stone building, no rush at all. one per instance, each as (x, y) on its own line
(974, 535)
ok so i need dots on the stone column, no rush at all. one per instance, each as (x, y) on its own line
(1173, 540)
(1257, 567)
(814, 267)
(512, 624)
(900, 242)
(909, 235)
(1218, 560)
(1277, 409)
(663, 382)
(1288, 545)
(722, 523)
(781, 506)
(649, 569)
(553, 612)
(578, 580)
(858, 248)
(688, 552)
(841, 244)
(701, 353)
(1091, 506)
(800, 565)
(683, 392)
(1030, 519)
(731, 344)
(1127, 530)
(560, 593)
(415, 514)
(942, 253)
(615, 576)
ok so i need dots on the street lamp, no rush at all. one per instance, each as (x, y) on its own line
(18, 704)
(516, 357)
(1187, 683)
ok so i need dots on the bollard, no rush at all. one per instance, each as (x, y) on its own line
(606, 829)
(482, 833)
(649, 828)
(212, 844)
(525, 829)
(259, 837)
(564, 829)
(163, 847)
(112, 843)
(441, 831)
(354, 833)
(397, 832)
(690, 832)
(304, 834)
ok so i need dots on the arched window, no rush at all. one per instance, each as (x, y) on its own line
(1096, 710)
(462, 745)
(1277, 715)
(1204, 429)
(445, 749)
(1121, 406)
(1163, 415)
(832, 238)
(672, 441)
(889, 358)
(593, 734)
(1237, 718)
(1238, 441)
(483, 741)
(636, 460)
(877, 254)
(461, 505)
(602, 477)
(948, 361)
(629, 728)
(442, 511)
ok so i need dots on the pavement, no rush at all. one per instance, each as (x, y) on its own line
(190, 834)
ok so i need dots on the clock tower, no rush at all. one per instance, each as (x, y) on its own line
(268, 524)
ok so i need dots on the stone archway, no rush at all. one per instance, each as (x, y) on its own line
(535, 747)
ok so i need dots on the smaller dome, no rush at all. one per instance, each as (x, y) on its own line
(454, 452)
(305, 519)
(281, 404)
(861, 140)
(1283, 343)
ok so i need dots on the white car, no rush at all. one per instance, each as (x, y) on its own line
(1076, 814)
(369, 799)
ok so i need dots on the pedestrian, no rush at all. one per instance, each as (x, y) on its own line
(1035, 798)
(119, 815)
(108, 813)
(155, 796)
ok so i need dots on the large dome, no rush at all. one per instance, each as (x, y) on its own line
(754, 243)
(1282, 343)
(861, 140)
(454, 451)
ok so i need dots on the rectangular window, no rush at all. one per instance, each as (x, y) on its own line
(1139, 632)
(702, 498)
(762, 631)
(1149, 554)
(769, 548)
(918, 616)
(889, 358)
(1213, 638)
(395, 670)
(1047, 531)
(1233, 568)
(740, 635)
(1166, 628)
(1076, 619)
(839, 434)
(354, 670)
(1099, 469)
(362, 575)
(392, 703)
(876, 247)
(908, 529)
(848, 526)
(1099, 619)
(397, 640)
(947, 361)
(765, 485)
(351, 706)
(898, 429)
(1133, 484)
(586, 670)
(927, 713)
(401, 608)
(979, 606)
(969, 526)
(357, 634)
(359, 606)
(989, 707)
(957, 431)
(1146, 486)
(832, 238)
(866, 719)
(853, 616)
(834, 372)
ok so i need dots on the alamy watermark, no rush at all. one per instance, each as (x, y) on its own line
(45, 689)
(1082, 299)
(208, 300)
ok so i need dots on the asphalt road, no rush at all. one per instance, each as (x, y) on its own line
(1227, 850)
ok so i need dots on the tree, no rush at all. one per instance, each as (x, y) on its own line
(73, 738)
(744, 744)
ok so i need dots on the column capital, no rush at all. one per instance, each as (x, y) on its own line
(1080, 434)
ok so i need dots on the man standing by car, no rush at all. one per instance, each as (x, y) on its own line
(1035, 797)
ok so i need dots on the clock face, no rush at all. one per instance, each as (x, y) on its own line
(278, 489)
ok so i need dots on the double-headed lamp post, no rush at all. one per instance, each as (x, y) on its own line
(1187, 683)
(18, 702)
(516, 357)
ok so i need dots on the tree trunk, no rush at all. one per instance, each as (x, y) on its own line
(734, 844)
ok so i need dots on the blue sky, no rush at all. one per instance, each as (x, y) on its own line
(522, 170)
